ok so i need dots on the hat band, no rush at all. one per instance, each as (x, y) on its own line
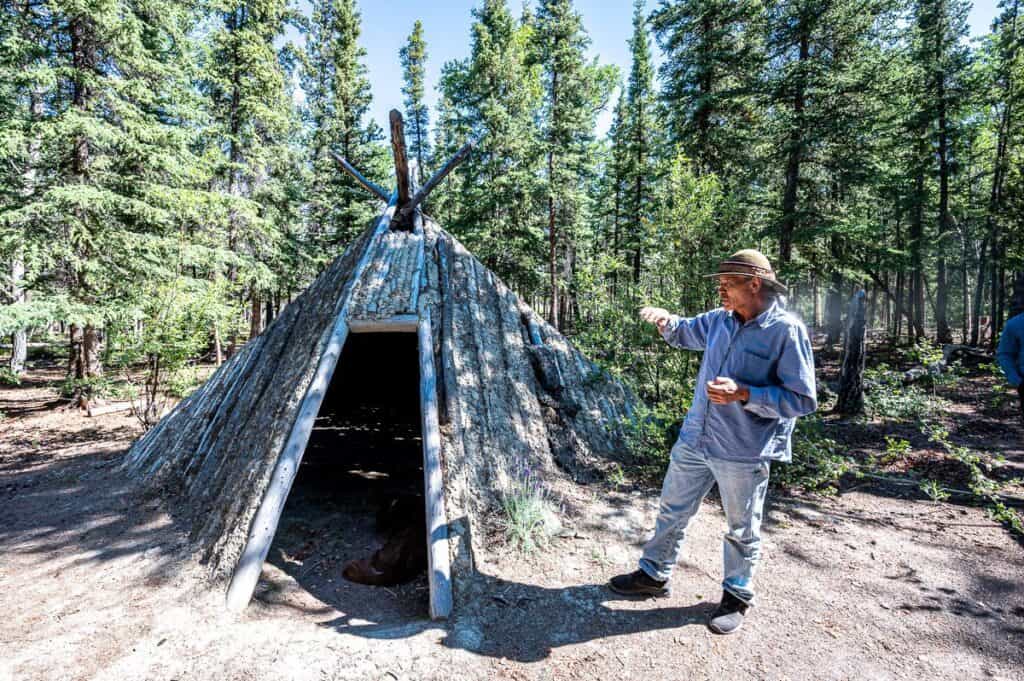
(736, 267)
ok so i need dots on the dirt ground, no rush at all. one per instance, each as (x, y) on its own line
(874, 583)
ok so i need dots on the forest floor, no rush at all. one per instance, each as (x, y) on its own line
(873, 582)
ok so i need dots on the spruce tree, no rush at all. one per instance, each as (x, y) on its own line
(942, 60)
(337, 107)
(494, 96)
(107, 191)
(573, 93)
(417, 114)
(637, 137)
(713, 52)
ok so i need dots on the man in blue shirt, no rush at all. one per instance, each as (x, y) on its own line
(756, 378)
(1011, 356)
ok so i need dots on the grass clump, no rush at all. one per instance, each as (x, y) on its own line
(530, 516)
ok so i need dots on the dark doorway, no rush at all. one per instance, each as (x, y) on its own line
(364, 460)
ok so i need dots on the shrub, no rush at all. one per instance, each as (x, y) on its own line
(651, 431)
(182, 382)
(96, 386)
(818, 461)
(889, 398)
(9, 378)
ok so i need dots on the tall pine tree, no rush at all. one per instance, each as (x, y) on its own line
(337, 106)
(417, 114)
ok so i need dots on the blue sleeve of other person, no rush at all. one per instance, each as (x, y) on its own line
(1009, 353)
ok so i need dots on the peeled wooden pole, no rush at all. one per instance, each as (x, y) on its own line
(401, 162)
(438, 564)
(358, 177)
(264, 524)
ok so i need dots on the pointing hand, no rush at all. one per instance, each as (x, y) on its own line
(658, 316)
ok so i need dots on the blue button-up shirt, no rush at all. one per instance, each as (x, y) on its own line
(771, 355)
(1011, 350)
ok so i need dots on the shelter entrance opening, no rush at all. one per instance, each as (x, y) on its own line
(354, 520)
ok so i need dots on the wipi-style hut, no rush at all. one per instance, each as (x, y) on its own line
(498, 388)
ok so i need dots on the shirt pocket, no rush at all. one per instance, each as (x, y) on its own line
(755, 367)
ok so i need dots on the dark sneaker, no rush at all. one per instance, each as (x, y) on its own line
(638, 583)
(728, 617)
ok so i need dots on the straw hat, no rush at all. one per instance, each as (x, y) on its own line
(751, 263)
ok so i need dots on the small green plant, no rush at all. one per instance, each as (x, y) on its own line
(933, 490)
(9, 378)
(896, 448)
(617, 477)
(923, 352)
(95, 386)
(530, 516)
(650, 433)
(979, 482)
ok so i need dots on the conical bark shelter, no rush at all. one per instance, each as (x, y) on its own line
(500, 389)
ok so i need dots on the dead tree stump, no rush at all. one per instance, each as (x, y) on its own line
(851, 382)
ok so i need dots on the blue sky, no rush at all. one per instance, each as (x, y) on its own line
(386, 25)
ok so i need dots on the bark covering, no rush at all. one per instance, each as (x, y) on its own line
(512, 393)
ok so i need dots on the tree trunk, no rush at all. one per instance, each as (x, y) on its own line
(795, 152)
(91, 352)
(979, 295)
(916, 259)
(255, 317)
(943, 333)
(851, 382)
(816, 292)
(1017, 302)
(834, 309)
(218, 351)
(19, 339)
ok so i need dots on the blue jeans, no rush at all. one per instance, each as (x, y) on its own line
(742, 486)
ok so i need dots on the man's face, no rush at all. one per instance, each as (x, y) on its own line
(737, 292)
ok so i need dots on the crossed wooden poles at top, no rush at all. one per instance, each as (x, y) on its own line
(406, 205)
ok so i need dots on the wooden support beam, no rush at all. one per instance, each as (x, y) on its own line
(406, 211)
(401, 160)
(358, 177)
(438, 564)
(264, 523)
(400, 323)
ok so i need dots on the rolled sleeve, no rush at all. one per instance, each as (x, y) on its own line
(690, 333)
(796, 394)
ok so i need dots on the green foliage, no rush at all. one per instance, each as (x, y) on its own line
(980, 482)
(417, 116)
(91, 387)
(530, 515)
(181, 382)
(336, 114)
(650, 433)
(818, 461)
(923, 352)
(933, 490)
(888, 398)
(896, 449)
(9, 378)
